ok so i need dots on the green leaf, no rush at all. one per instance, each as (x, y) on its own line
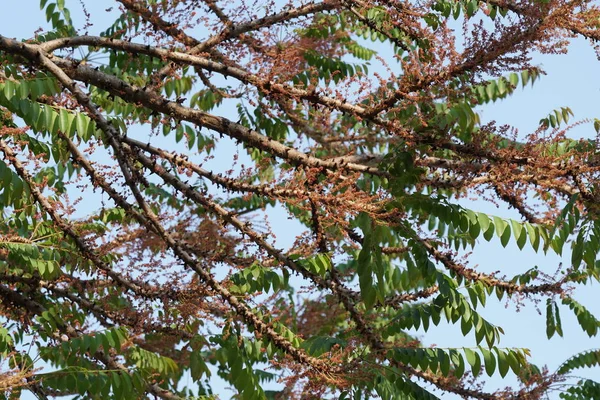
(65, 121)
(489, 361)
(503, 363)
(82, 123)
(550, 325)
(500, 225)
(484, 221)
(519, 233)
(505, 236)
(534, 236)
(558, 323)
(585, 359)
(474, 361)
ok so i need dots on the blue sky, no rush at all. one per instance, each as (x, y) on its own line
(571, 81)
